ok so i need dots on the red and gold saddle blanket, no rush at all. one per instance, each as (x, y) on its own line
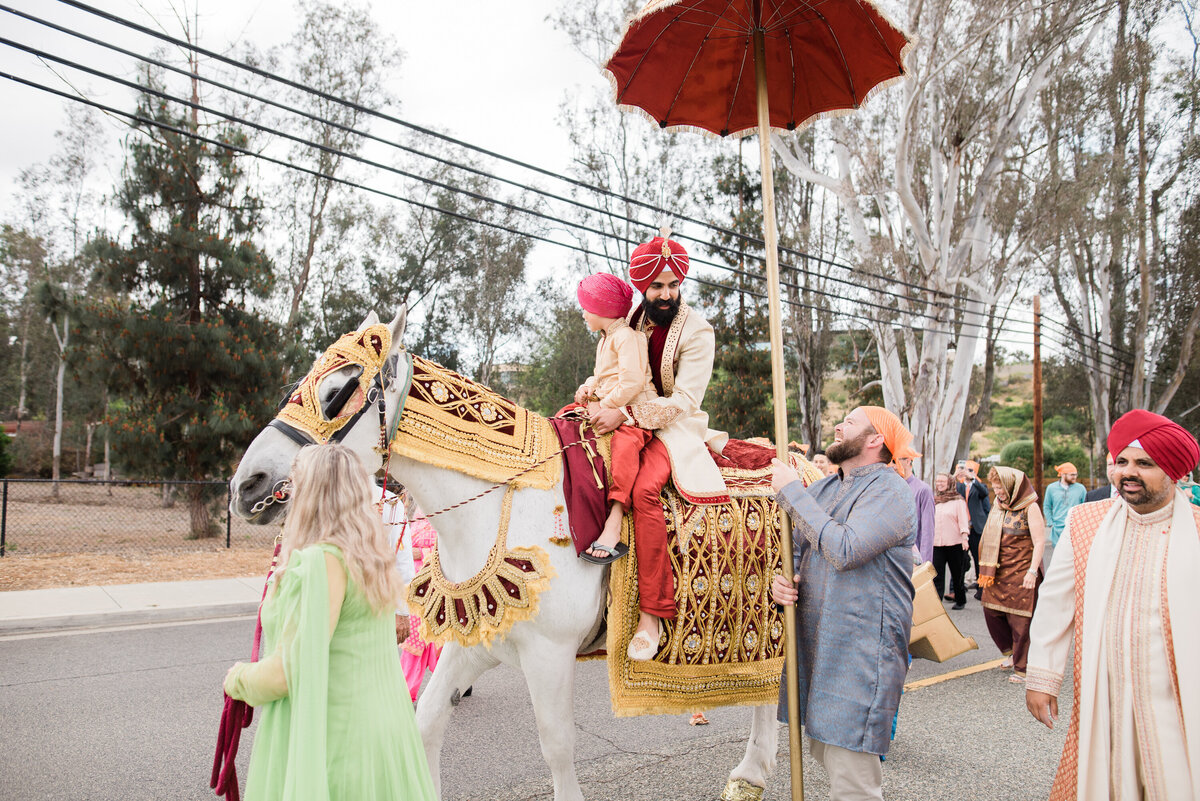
(725, 646)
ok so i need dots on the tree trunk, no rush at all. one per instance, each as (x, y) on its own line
(201, 518)
(56, 469)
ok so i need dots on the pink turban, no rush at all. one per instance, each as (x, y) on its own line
(1169, 444)
(651, 258)
(605, 294)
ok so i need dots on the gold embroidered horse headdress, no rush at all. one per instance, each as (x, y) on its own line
(368, 349)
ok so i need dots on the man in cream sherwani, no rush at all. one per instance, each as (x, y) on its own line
(1125, 586)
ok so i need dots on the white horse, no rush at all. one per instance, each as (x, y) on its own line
(543, 648)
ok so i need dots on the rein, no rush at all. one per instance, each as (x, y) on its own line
(375, 396)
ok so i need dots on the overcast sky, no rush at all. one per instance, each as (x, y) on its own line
(491, 73)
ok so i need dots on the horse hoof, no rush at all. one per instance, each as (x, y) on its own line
(741, 790)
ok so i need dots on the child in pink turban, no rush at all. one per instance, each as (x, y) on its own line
(621, 378)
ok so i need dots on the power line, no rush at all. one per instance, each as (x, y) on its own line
(435, 209)
(466, 218)
(516, 162)
(613, 215)
(433, 182)
(367, 135)
(580, 184)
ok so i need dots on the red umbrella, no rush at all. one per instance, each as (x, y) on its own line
(735, 66)
(692, 62)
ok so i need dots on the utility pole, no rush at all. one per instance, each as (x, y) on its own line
(1037, 395)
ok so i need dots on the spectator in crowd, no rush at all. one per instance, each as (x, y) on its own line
(1060, 497)
(923, 495)
(979, 506)
(416, 655)
(1010, 560)
(1123, 592)
(951, 531)
(821, 460)
(852, 583)
(1104, 491)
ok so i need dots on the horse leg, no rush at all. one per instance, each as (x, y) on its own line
(550, 674)
(759, 760)
(456, 670)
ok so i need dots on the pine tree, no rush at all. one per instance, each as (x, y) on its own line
(197, 369)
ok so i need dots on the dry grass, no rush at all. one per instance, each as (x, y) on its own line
(93, 534)
(44, 571)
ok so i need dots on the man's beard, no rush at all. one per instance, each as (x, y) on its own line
(840, 452)
(1143, 496)
(661, 312)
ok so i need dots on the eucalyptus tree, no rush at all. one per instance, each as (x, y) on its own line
(339, 50)
(920, 173)
(1123, 170)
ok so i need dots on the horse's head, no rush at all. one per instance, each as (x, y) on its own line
(350, 396)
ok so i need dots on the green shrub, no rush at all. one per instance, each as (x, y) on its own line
(1019, 455)
(6, 455)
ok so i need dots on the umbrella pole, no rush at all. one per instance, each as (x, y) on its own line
(779, 399)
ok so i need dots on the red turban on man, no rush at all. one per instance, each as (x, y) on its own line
(1169, 444)
(651, 258)
(605, 294)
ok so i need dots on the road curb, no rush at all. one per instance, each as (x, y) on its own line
(125, 617)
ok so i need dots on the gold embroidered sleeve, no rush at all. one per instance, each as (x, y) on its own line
(651, 416)
(1043, 681)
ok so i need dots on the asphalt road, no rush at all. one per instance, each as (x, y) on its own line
(133, 713)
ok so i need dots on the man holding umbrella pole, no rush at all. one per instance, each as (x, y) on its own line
(852, 537)
(688, 63)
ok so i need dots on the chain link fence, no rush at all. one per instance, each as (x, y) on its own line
(41, 516)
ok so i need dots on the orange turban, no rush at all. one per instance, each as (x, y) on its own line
(895, 435)
(1066, 467)
(973, 465)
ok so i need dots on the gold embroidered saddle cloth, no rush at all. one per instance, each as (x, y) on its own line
(725, 646)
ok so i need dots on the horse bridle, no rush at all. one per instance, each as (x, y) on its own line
(375, 396)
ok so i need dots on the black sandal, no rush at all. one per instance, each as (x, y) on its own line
(614, 553)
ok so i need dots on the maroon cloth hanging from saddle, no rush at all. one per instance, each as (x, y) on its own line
(236, 716)
(743, 455)
(587, 504)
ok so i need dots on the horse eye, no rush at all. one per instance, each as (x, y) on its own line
(333, 406)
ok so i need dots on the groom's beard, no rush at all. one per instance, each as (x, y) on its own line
(661, 312)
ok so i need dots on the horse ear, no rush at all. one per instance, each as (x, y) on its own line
(397, 325)
(371, 319)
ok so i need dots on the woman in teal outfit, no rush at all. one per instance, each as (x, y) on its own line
(335, 717)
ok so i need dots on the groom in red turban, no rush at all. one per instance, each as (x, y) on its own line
(682, 347)
(1122, 586)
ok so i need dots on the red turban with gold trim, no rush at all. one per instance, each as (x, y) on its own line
(650, 258)
(1169, 444)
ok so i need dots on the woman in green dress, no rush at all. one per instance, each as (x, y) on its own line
(335, 717)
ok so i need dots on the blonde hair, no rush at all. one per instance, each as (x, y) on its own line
(333, 501)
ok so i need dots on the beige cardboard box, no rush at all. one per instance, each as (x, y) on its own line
(934, 635)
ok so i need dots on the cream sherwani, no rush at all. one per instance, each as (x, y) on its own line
(1128, 591)
(677, 417)
(622, 372)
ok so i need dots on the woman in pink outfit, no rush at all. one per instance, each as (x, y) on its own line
(951, 527)
(416, 655)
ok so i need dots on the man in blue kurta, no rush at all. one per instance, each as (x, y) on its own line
(853, 534)
(1061, 496)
